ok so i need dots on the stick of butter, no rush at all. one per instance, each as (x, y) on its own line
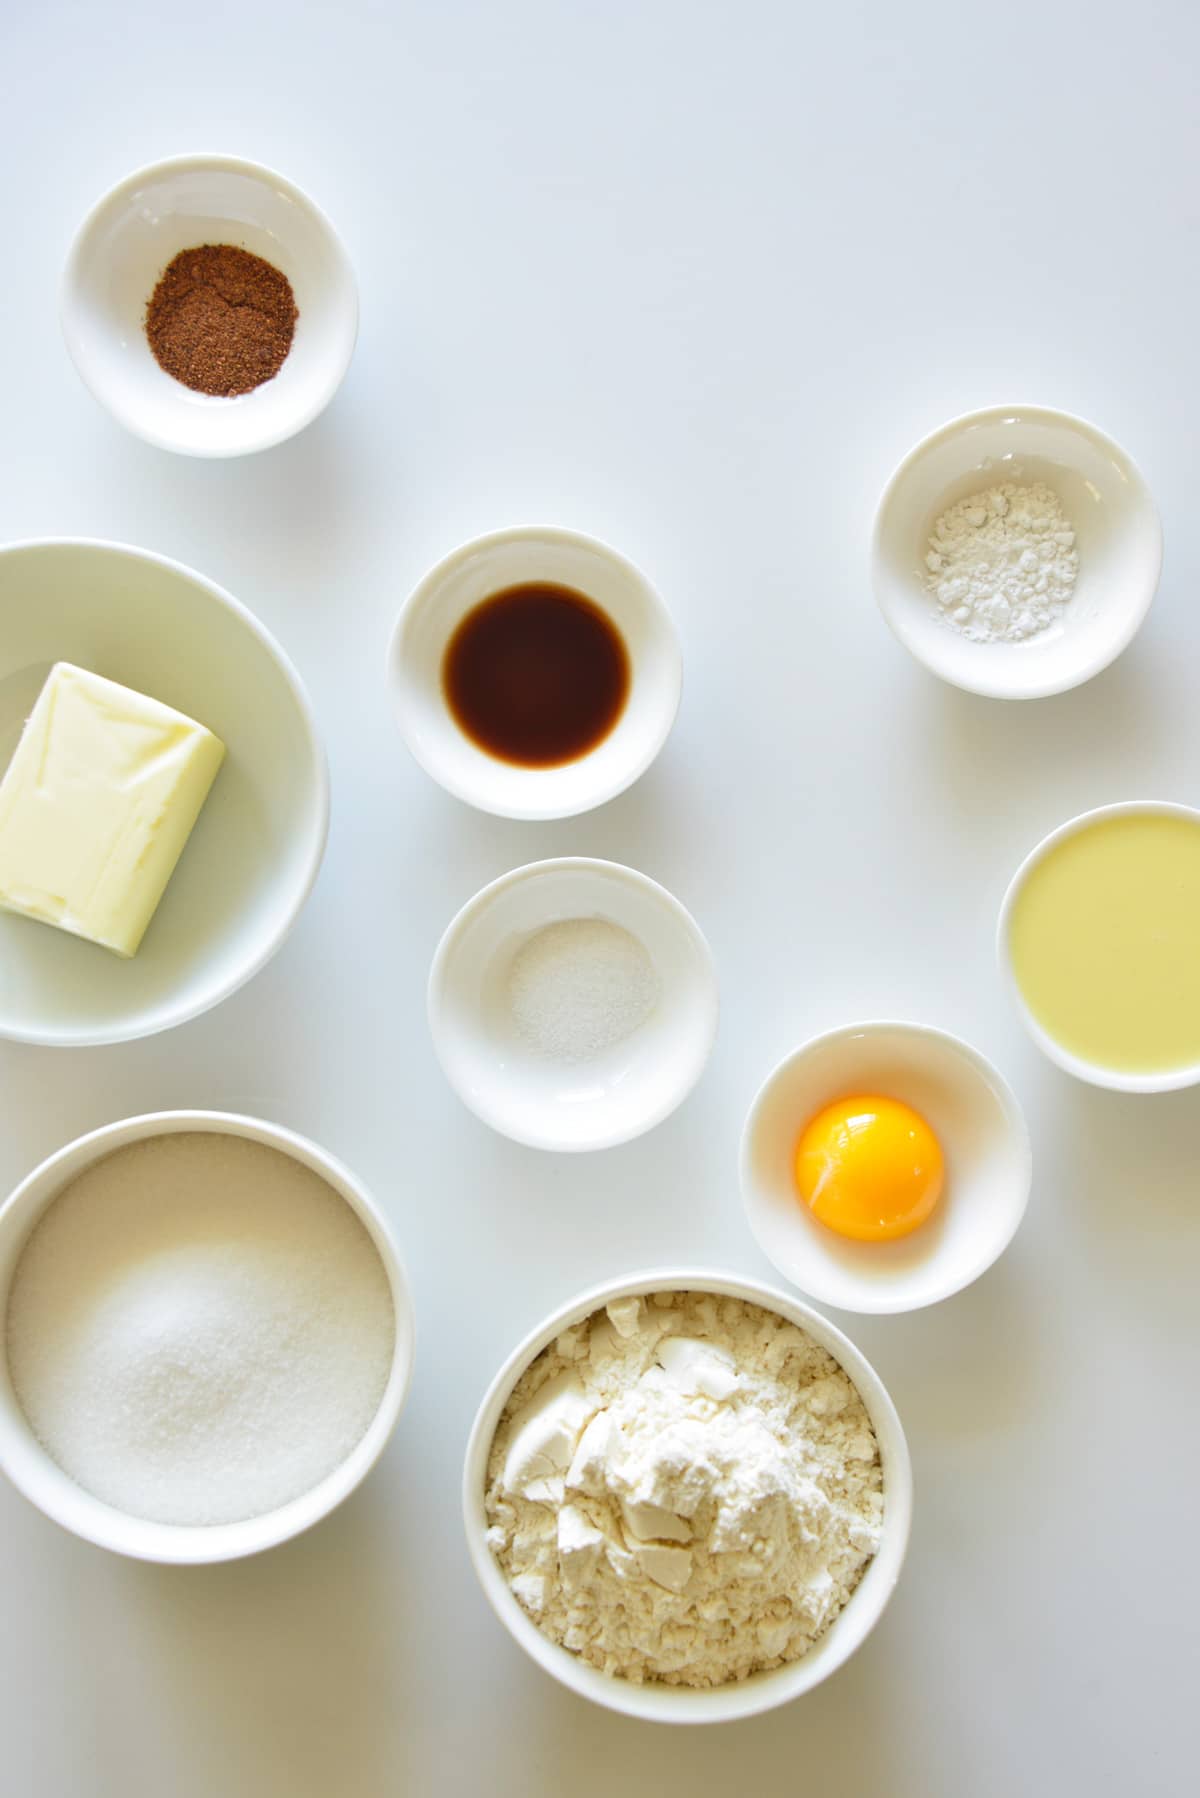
(97, 805)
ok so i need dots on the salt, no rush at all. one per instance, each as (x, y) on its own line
(579, 987)
(199, 1329)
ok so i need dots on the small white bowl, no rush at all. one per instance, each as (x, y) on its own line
(985, 1142)
(547, 1104)
(659, 1703)
(472, 574)
(44, 1483)
(1094, 1073)
(122, 248)
(242, 880)
(1118, 537)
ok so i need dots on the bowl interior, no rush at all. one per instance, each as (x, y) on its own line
(1117, 536)
(489, 566)
(983, 1138)
(623, 1090)
(121, 251)
(255, 850)
(42, 1481)
(763, 1691)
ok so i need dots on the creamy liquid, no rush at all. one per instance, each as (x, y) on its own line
(1105, 943)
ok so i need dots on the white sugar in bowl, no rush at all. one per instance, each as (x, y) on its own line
(24, 1458)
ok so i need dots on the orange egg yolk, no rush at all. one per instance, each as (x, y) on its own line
(869, 1167)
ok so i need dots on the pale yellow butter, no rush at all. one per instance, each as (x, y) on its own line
(97, 805)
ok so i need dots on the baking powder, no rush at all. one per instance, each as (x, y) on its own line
(1002, 563)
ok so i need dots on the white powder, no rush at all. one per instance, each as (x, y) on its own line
(685, 1488)
(1002, 563)
(199, 1329)
(579, 987)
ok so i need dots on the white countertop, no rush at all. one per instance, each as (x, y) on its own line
(692, 278)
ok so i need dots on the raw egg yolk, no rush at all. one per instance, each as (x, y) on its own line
(869, 1167)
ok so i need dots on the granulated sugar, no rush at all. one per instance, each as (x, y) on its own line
(199, 1329)
(579, 987)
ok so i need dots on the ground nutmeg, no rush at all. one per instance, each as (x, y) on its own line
(220, 319)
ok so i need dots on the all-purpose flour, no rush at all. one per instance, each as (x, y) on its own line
(684, 1488)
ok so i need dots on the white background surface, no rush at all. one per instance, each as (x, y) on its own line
(691, 277)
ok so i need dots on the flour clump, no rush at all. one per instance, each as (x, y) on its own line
(684, 1488)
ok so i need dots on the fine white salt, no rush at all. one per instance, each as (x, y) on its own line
(579, 987)
(199, 1329)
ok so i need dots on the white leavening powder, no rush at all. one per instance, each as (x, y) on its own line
(579, 987)
(199, 1329)
(684, 1488)
(1002, 563)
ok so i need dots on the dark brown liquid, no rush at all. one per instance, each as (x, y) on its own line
(536, 675)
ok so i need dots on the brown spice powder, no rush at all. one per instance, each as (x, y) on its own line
(220, 319)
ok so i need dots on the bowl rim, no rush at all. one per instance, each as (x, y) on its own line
(1093, 1073)
(318, 777)
(217, 162)
(531, 873)
(1135, 615)
(763, 1691)
(426, 594)
(877, 1302)
(195, 1544)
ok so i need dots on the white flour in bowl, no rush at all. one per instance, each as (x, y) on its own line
(684, 1488)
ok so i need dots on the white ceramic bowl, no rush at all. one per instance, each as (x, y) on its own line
(1118, 537)
(123, 246)
(243, 877)
(973, 1112)
(762, 1691)
(1095, 1074)
(548, 1104)
(44, 1483)
(490, 565)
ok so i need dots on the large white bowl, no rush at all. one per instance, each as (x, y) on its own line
(156, 626)
(548, 1104)
(1118, 536)
(472, 574)
(660, 1703)
(976, 1118)
(44, 1483)
(1167, 1080)
(123, 246)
